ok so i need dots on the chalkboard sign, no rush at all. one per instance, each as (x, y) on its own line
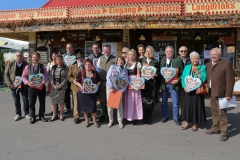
(46, 36)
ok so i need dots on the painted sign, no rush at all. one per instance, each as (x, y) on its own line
(33, 14)
(216, 33)
(212, 6)
(177, 33)
(47, 36)
(158, 38)
(116, 10)
(110, 34)
(79, 35)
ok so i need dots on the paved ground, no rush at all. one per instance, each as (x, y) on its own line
(65, 140)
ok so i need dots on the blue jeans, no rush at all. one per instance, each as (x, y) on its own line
(16, 98)
(174, 96)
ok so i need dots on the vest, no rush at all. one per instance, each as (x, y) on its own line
(19, 70)
(105, 65)
(40, 69)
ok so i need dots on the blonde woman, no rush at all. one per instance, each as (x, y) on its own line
(132, 103)
(148, 94)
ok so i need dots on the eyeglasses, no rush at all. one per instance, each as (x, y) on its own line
(124, 52)
(182, 51)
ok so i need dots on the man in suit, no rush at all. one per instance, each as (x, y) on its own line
(15, 68)
(104, 63)
(72, 75)
(185, 60)
(221, 80)
(33, 92)
(69, 49)
(173, 87)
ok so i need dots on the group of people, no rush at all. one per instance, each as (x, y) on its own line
(135, 105)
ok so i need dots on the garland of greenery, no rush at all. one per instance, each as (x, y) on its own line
(1, 61)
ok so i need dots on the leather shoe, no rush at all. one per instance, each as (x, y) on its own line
(101, 119)
(62, 119)
(54, 119)
(43, 119)
(32, 120)
(164, 120)
(178, 123)
(96, 125)
(76, 120)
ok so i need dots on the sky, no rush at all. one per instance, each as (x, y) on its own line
(21, 4)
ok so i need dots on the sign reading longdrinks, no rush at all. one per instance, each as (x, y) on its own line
(212, 6)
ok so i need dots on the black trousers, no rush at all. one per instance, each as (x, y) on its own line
(68, 97)
(147, 110)
(32, 95)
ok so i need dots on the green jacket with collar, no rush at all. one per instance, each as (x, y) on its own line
(175, 63)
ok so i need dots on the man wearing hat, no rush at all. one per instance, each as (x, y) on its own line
(25, 57)
(72, 74)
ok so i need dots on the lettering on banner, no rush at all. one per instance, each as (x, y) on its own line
(163, 8)
(33, 14)
(213, 6)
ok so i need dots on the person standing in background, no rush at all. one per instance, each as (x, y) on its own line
(49, 66)
(15, 68)
(104, 63)
(69, 49)
(170, 62)
(125, 51)
(73, 71)
(132, 101)
(88, 101)
(96, 54)
(114, 71)
(221, 80)
(58, 80)
(148, 94)
(183, 51)
(33, 92)
(141, 51)
(194, 109)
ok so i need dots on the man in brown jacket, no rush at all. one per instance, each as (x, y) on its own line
(221, 79)
(72, 75)
(15, 68)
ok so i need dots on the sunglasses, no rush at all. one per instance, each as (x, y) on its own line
(183, 51)
(124, 52)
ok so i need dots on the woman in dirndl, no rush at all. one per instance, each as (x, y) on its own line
(87, 102)
(132, 101)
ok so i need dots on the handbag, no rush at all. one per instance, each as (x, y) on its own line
(203, 90)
